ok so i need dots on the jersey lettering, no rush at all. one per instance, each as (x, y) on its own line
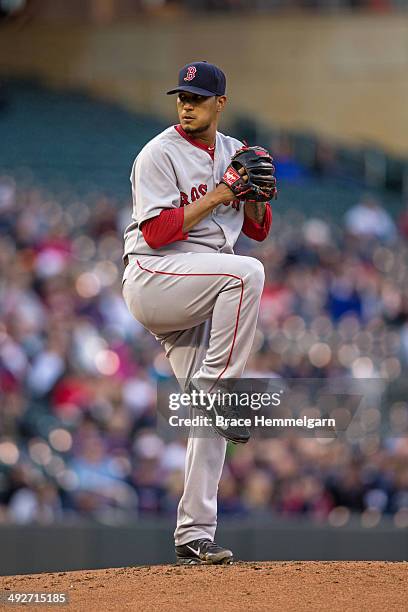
(195, 194)
(183, 199)
(234, 204)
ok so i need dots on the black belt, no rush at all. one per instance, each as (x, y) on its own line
(125, 260)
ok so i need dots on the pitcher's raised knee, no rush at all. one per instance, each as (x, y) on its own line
(254, 274)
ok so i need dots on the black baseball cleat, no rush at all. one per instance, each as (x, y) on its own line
(225, 417)
(203, 552)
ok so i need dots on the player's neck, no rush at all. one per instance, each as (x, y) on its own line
(207, 138)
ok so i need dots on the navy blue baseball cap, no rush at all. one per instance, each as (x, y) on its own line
(201, 78)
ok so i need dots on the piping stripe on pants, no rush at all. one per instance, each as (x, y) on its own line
(208, 274)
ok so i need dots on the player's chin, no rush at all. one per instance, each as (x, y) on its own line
(189, 126)
(193, 128)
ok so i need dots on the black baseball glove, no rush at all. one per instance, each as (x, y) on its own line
(257, 165)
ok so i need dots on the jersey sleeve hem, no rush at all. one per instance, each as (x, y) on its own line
(254, 230)
(151, 215)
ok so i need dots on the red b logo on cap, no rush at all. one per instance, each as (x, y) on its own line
(191, 72)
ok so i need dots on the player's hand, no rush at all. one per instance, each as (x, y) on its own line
(225, 192)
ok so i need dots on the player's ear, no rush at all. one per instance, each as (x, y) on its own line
(221, 102)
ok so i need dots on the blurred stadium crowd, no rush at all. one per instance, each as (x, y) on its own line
(110, 10)
(78, 375)
(274, 5)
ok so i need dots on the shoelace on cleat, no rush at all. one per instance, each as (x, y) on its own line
(208, 547)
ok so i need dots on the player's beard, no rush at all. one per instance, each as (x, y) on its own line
(196, 132)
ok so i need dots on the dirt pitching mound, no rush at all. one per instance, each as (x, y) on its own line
(284, 587)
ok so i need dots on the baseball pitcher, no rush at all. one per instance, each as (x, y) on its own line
(194, 190)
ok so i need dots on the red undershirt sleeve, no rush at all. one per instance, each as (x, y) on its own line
(254, 230)
(165, 228)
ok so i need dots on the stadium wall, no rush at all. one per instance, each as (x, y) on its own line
(33, 548)
(345, 77)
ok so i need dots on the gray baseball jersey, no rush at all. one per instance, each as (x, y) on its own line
(172, 171)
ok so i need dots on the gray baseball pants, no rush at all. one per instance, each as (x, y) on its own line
(203, 308)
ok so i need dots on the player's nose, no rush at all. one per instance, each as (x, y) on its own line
(188, 105)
